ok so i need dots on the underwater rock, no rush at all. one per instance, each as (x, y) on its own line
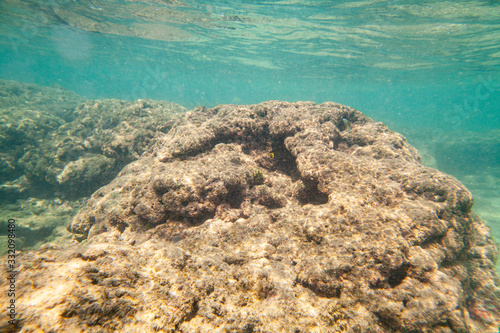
(28, 115)
(275, 217)
(55, 144)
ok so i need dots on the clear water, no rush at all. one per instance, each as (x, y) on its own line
(429, 70)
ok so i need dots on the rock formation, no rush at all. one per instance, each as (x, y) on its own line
(56, 149)
(52, 141)
(275, 217)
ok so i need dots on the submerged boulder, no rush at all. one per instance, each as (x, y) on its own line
(275, 217)
(53, 143)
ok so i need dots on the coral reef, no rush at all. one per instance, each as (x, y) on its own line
(275, 217)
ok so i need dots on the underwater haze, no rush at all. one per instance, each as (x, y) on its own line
(429, 70)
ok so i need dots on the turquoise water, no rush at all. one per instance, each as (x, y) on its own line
(430, 70)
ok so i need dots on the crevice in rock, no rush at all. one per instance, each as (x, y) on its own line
(309, 193)
(321, 288)
(397, 275)
(387, 321)
(193, 313)
(432, 239)
(284, 160)
(235, 197)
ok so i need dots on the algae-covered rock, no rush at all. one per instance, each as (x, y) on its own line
(28, 115)
(103, 137)
(275, 217)
(54, 142)
(55, 147)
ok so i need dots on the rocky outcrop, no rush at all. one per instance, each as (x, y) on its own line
(28, 114)
(275, 217)
(54, 142)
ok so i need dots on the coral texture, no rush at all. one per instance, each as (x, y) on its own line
(275, 217)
